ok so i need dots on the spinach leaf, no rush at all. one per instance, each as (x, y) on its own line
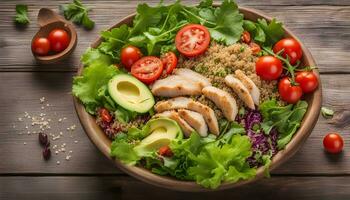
(264, 33)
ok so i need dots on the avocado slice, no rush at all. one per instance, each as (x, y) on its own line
(130, 93)
(161, 132)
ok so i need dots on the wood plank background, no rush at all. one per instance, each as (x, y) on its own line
(324, 26)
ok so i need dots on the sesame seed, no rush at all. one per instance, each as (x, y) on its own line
(58, 162)
(42, 107)
(56, 152)
(24, 143)
(76, 141)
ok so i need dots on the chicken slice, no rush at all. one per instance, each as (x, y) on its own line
(171, 104)
(195, 120)
(189, 104)
(250, 85)
(194, 76)
(185, 127)
(238, 87)
(222, 100)
(208, 114)
(174, 86)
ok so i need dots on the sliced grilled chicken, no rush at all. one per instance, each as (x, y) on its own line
(174, 86)
(187, 103)
(185, 127)
(192, 75)
(250, 85)
(195, 120)
(171, 104)
(222, 100)
(240, 90)
(207, 113)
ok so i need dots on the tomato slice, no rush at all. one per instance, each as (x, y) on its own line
(169, 61)
(192, 40)
(147, 69)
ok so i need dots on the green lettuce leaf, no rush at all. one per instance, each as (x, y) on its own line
(94, 56)
(122, 149)
(86, 87)
(114, 40)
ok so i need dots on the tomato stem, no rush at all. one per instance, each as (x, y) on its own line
(289, 67)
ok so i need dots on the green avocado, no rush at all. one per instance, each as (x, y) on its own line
(161, 132)
(130, 93)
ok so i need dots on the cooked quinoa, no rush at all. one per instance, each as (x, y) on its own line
(219, 61)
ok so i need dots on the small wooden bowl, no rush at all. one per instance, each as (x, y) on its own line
(49, 20)
(98, 137)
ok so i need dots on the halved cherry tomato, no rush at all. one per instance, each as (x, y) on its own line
(165, 151)
(169, 61)
(104, 113)
(192, 40)
(333, 143)
(255, 47)
(147, 69)
(245, 37)
(291, 48)
(41, 46)
(288, 92)
(307, 80)
(59, 40)
(129, 55)
(268, 67)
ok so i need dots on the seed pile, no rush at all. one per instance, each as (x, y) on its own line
(39, 124)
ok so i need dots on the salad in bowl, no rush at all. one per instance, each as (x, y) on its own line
(206, 94)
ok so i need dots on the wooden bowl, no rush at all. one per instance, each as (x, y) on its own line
(49, 20)
(97, 136)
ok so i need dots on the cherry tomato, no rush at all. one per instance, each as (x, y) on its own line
(169, 61)
(147, 69)
(255, 47)
(41, 46)
(333, 143)
(291, 47)
(268, 67)
(165, 151)
(245, 37)
(104, 113)
(130, 55)
(288, 92)
(307, 80)
(59, 40)
(192, 40)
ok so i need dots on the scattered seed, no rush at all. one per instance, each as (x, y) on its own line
(24, 143)
(58, 162)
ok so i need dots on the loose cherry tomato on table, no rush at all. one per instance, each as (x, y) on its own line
(288, 92)
(255, 47)
(291, 48)
(59, 40)
(268, 67)
(333, 143)
(165, 151)
(192, 40)
(169, 61)
(106, 117)
(41, 46)
(307, 80)
(245, 37)
(147, 69)
(129, 55)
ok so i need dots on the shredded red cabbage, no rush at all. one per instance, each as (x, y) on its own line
(262, 144)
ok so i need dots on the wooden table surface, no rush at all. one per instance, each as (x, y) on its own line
(324, 27)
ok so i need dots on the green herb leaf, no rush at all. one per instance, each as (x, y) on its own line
(326, 112)
(78, 13)
(286, 119)
(21, 14)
